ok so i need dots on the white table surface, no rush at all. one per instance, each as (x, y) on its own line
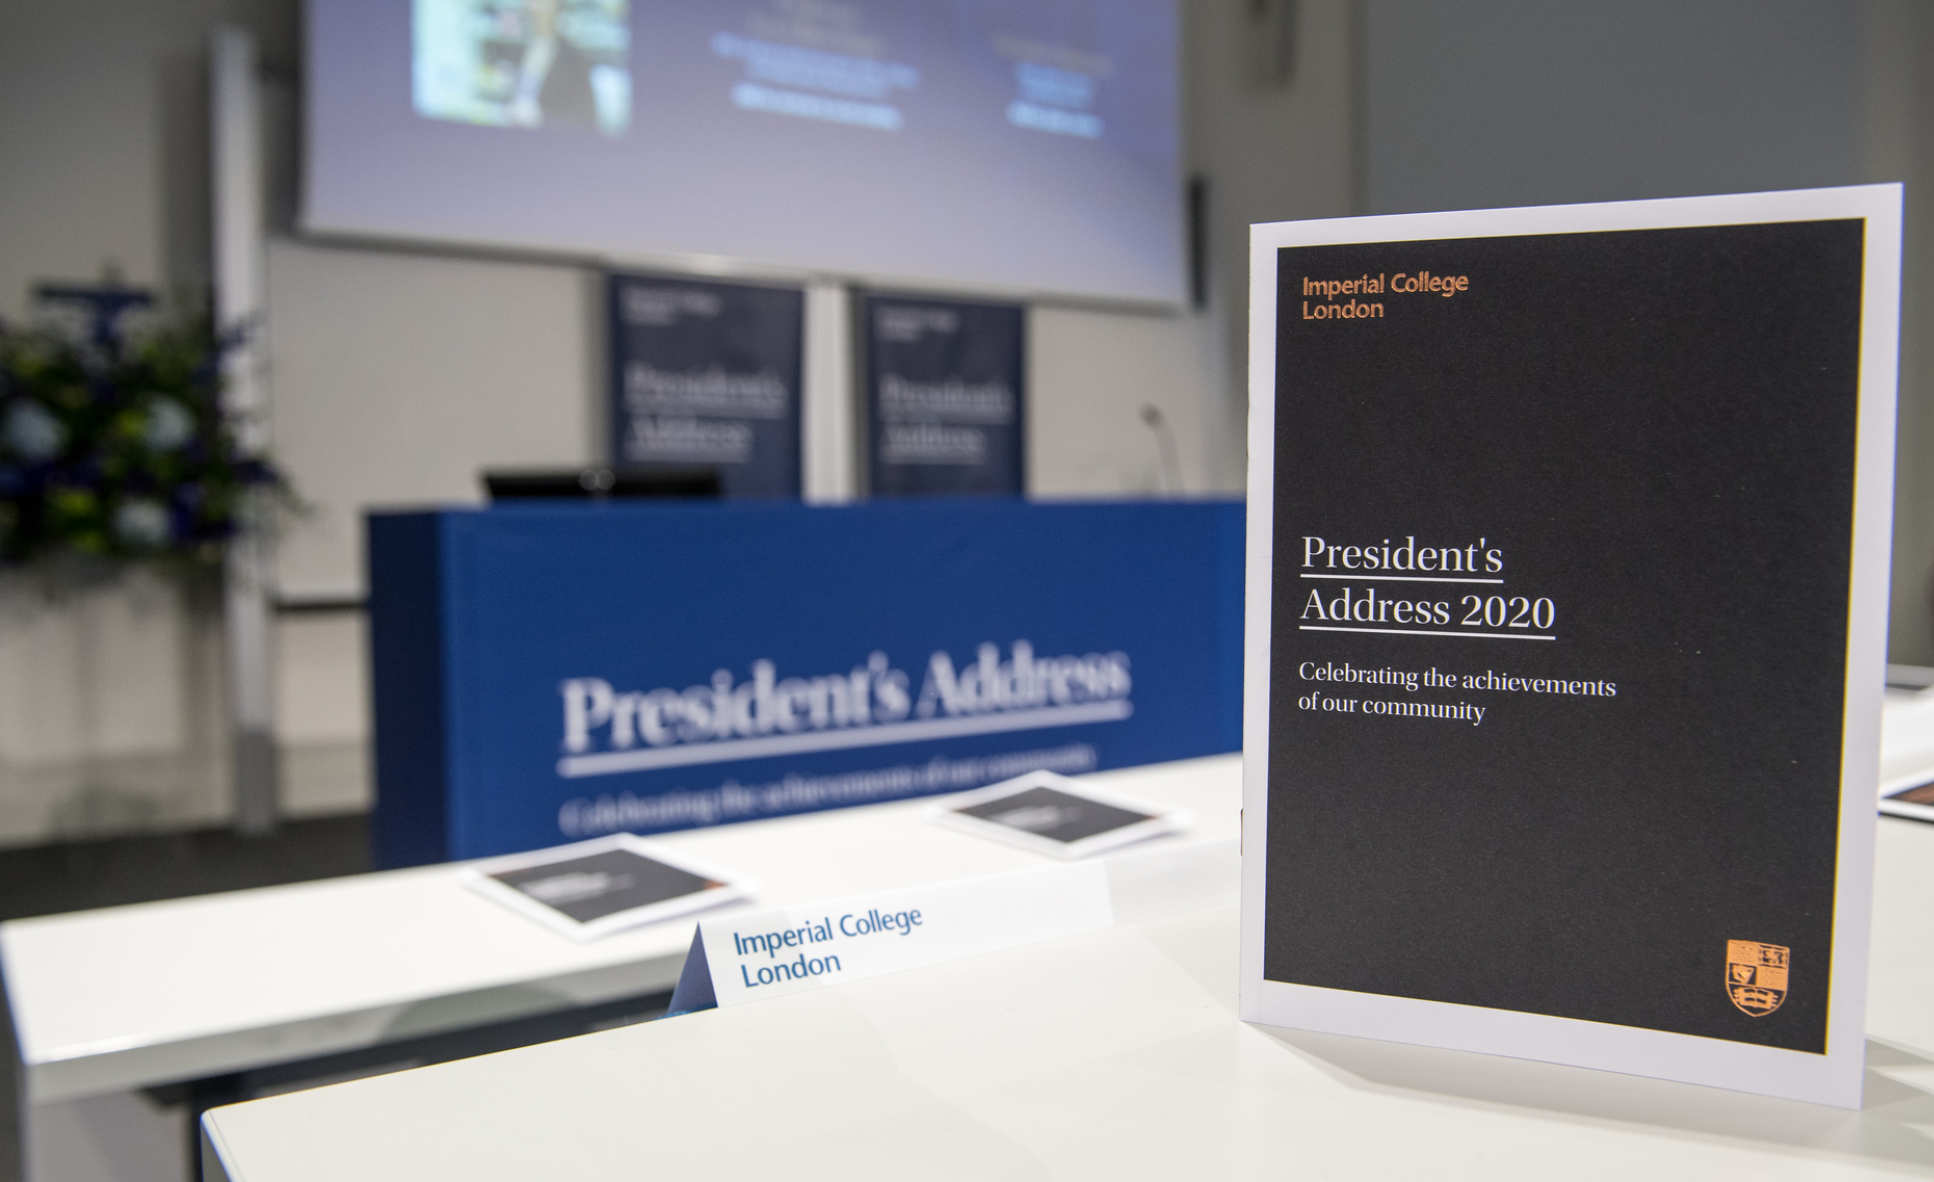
(1114, 1055)
(125, 997)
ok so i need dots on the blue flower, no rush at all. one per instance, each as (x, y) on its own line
(32, 432)
(256, 471)
(169, 424)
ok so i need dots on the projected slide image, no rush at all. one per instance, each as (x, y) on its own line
(816, 59)
(523, 63)
(1054, 97)
(1011, 146)
(1057, 58)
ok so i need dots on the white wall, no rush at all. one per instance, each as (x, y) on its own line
(1898, 144)
(1273, 149)
(103, 136)
(1508, 102)
(1511, 102)
(396, 376)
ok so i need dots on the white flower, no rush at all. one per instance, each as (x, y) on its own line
(32, 432)
(169, 424)
(142, 523)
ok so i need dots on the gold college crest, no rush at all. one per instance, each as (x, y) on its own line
(1756, 976)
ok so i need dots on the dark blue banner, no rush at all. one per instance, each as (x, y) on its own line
(945, 397)
(544, 674)
(706, 375)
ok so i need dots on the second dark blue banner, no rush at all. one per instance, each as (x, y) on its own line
(945, 397)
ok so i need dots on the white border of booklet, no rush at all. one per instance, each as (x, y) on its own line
(732, 888)
(1160, 821)
(1832, 1078)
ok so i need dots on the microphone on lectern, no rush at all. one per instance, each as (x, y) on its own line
(1164, 440)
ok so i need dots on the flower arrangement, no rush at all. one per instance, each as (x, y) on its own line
(115, 446)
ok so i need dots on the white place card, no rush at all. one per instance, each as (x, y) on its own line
(753, 955)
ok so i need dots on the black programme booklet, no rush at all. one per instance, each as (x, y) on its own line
(1567, 563)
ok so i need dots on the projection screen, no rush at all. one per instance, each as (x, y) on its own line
(1025, 146)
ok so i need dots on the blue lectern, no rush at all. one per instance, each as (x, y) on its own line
(550, 673)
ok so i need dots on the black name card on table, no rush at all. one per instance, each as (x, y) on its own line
(1568, 540)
